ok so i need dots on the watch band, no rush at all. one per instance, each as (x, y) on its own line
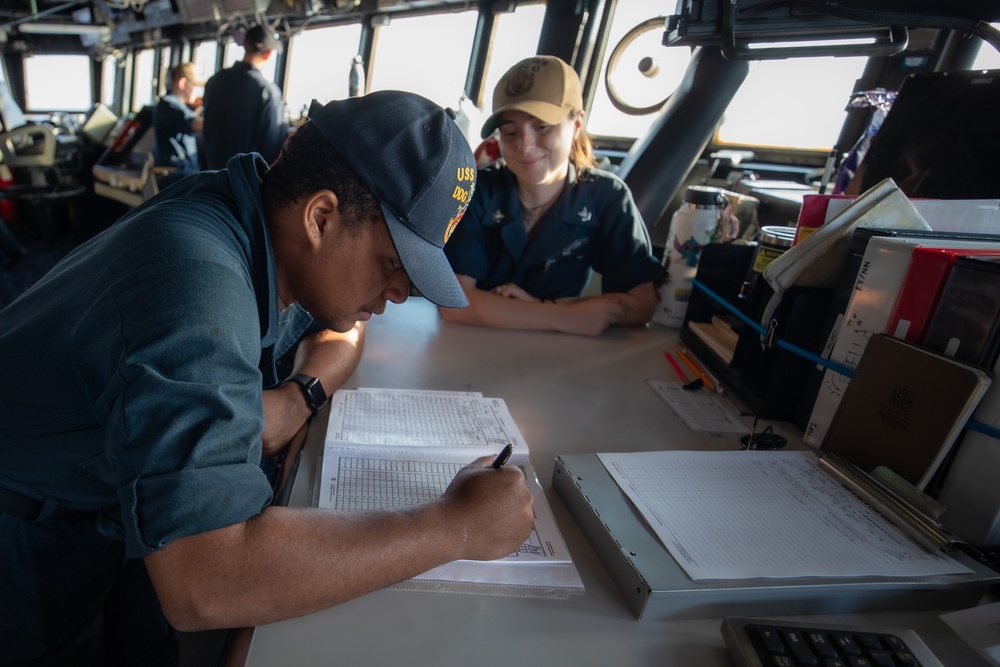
(313, 390)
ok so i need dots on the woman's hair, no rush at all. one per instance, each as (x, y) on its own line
(581, 153)
(308, 163)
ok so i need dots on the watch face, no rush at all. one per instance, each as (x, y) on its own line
(313, 389)
(316, 395)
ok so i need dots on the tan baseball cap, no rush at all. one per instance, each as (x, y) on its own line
(543, 86)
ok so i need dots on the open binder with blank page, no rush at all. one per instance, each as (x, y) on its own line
(747, 515)
(399, 448)
(777, 535)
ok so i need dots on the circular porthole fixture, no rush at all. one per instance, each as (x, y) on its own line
(641, 73)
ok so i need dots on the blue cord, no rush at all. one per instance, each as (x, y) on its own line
(985, 429)
(972, 425)
(795, 349)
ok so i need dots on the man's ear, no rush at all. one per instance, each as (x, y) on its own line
(320, 215)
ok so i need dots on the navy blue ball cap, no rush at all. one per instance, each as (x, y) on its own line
(420, 167)
(262, 39)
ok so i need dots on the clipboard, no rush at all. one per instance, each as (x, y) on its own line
(655, 587)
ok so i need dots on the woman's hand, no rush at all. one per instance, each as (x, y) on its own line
(512, 291)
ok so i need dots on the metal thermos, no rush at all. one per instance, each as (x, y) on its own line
(693, 226)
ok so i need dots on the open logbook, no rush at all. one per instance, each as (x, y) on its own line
(399, 448)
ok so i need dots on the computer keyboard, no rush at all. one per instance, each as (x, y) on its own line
(760, 642)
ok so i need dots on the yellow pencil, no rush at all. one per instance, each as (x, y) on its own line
(696, 368)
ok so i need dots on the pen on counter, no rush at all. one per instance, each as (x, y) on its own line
(503, 456)
(677, 368)
(697, 383)
(699, 370)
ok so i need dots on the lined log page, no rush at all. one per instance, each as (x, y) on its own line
(402, 447)
(743, 515)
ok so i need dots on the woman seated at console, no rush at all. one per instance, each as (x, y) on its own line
(544, 218)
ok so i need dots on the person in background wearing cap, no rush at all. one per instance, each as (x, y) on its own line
(244, 112)
(543, 221)
(176, 120)
(131, 411)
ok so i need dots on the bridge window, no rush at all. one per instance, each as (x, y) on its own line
(410, 54)
(143, 82)
(58, 82)
(149, 83)
(161, 86)
(515, 37)
(334, 47)
(203, 57)
(642, 73)
(109, 68)
(797, 103)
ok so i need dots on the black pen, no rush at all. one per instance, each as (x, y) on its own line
(503, 456)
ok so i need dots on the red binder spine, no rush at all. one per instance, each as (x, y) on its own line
(922, 284)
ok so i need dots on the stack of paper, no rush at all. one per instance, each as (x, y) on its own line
(399, 448)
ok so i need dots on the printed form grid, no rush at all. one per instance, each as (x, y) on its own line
(367, 484)
(737, 506)
(399, 420)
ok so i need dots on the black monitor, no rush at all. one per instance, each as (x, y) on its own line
(940, 139)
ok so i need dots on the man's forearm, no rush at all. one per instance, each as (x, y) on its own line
(286, 562)
(330, 356)
(290, 562)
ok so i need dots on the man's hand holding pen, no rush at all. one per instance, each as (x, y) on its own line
(492, 506)
(502, 457)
